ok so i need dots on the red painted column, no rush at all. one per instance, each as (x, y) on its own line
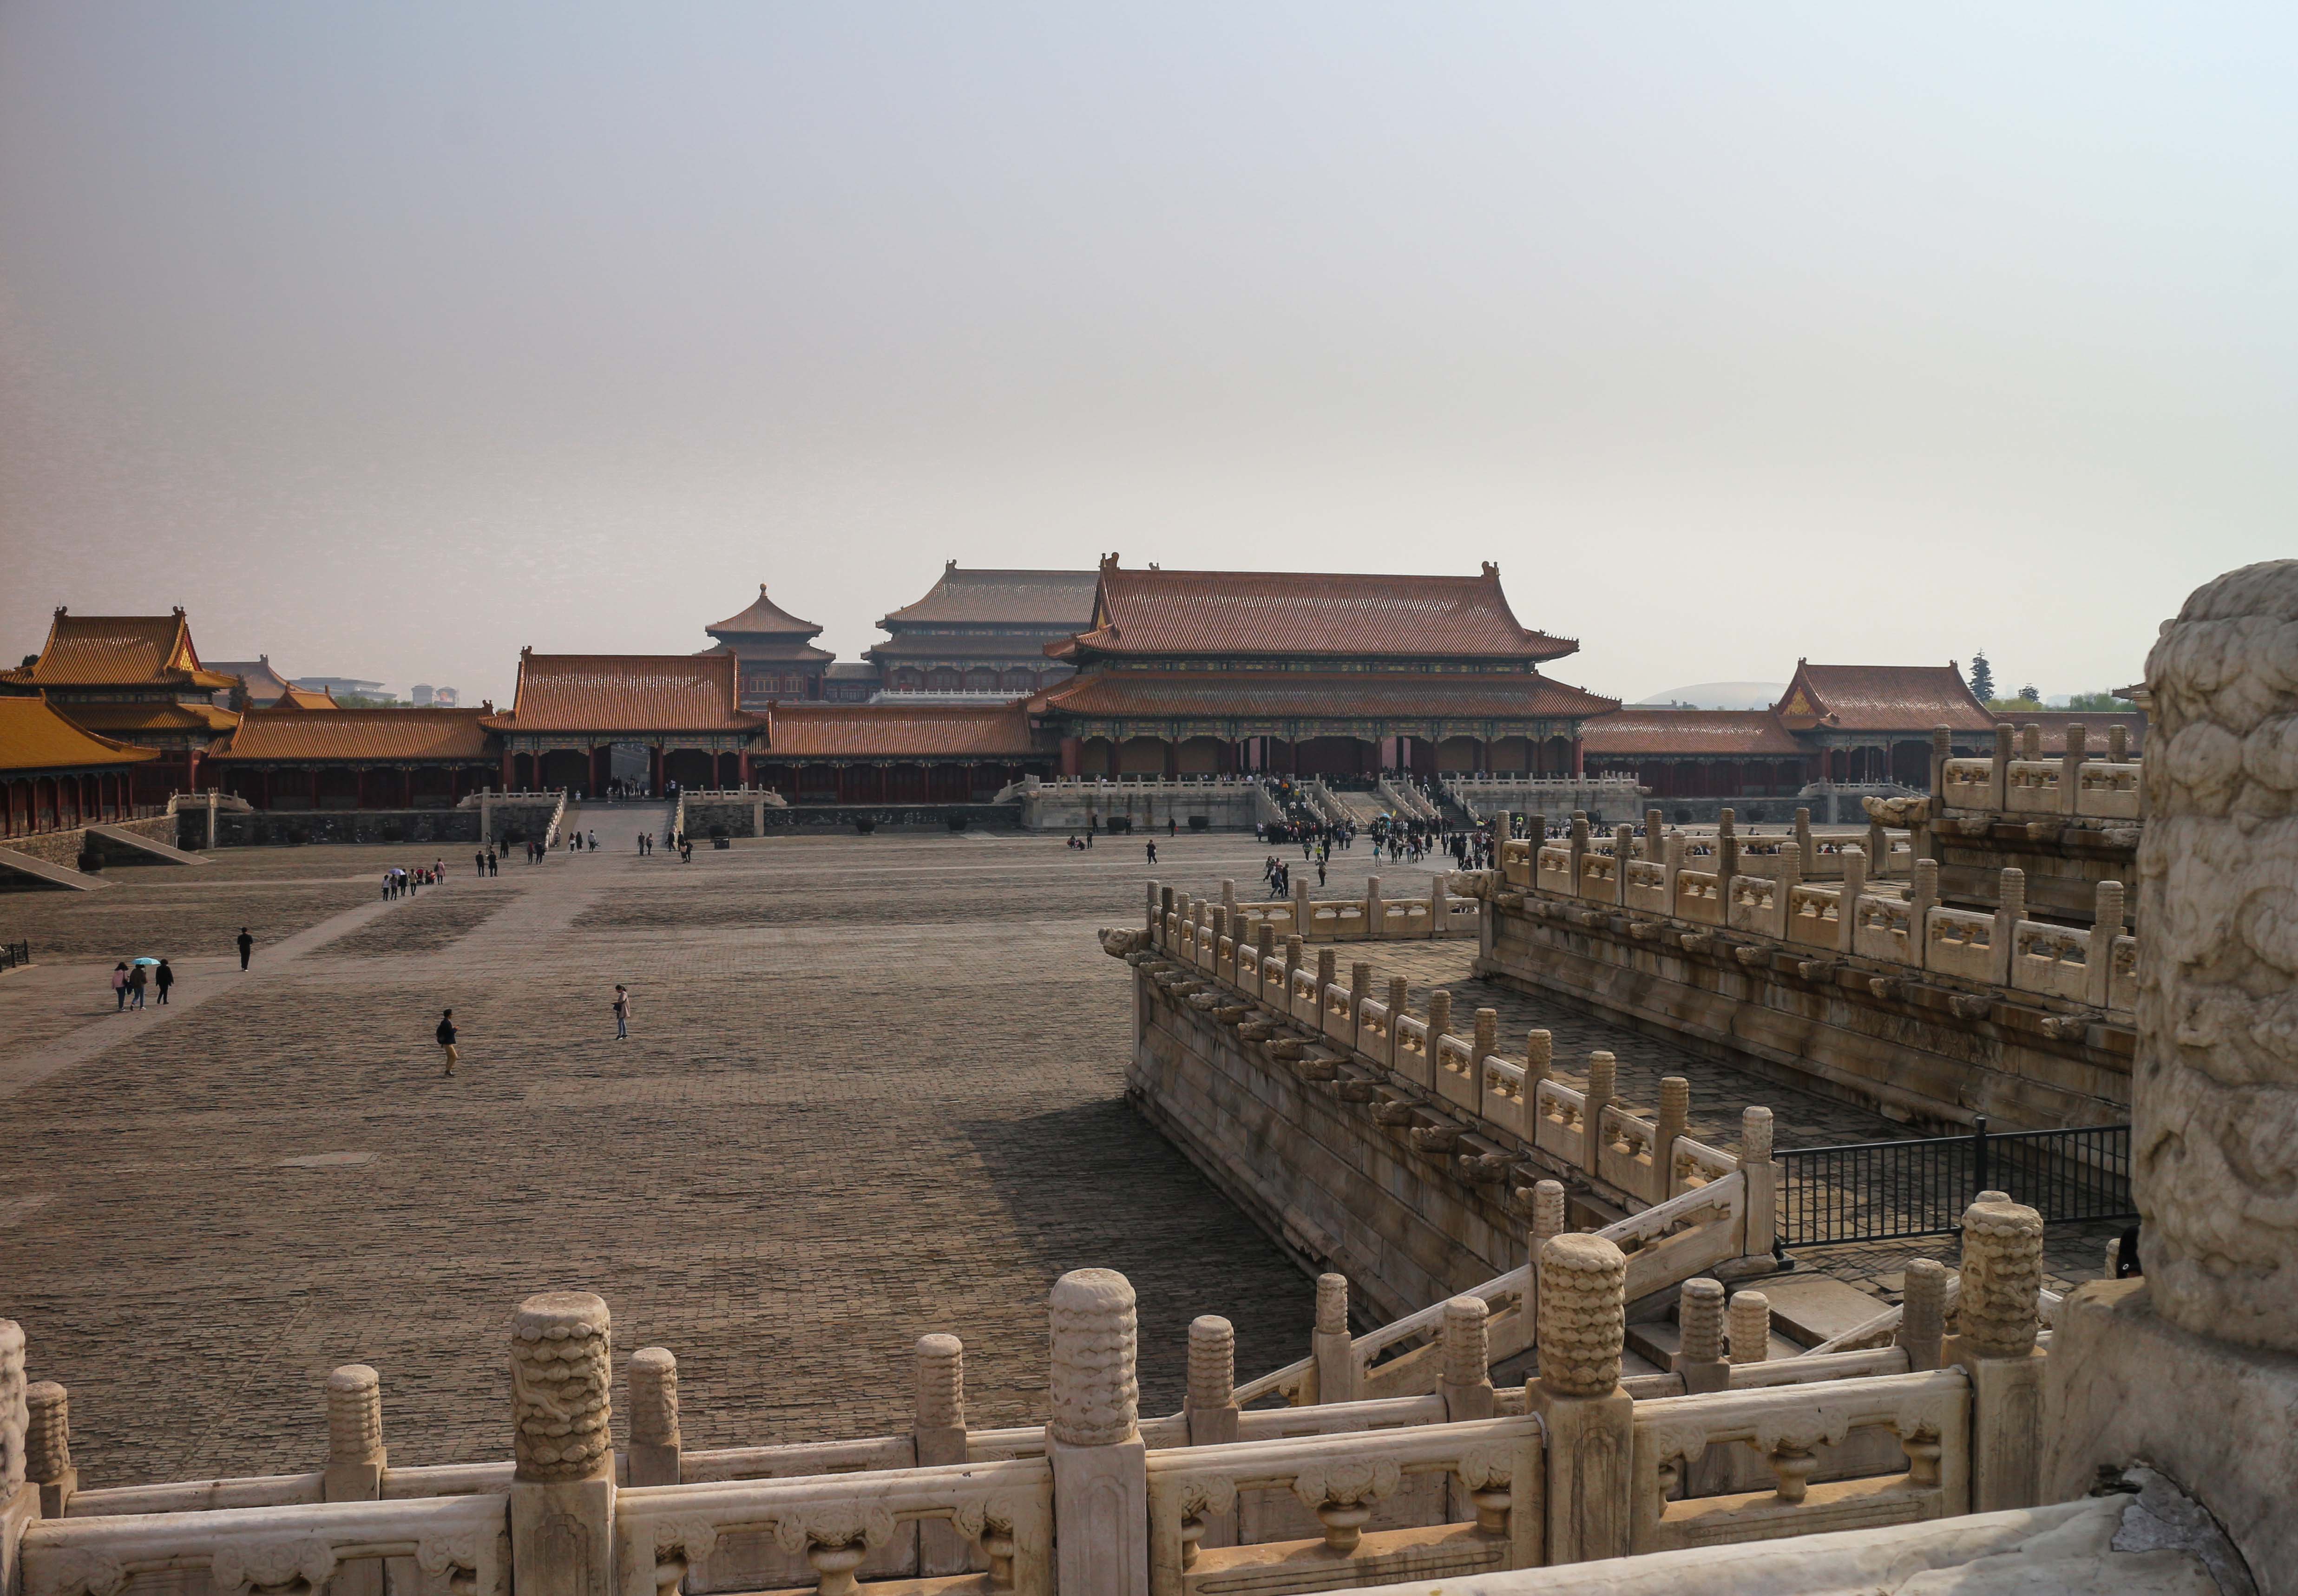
(1073, 760)
(1579, 765)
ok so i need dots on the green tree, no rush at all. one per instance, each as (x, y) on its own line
(2106, 702)
(1982, 677)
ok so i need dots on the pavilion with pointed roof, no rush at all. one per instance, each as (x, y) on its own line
(1184, 672)
(135, 680)
(779, 659)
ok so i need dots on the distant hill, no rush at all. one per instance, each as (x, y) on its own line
(1719, 695)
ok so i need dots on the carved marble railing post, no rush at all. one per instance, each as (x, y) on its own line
(1486, 1043)
(1579, 849)
(1264, 944)
(1301, 906)
(1229, 898)
(2008, 911)
(1376, 909)
(1466, 1382)
(1998, 1313)
(1624, 849)
(1804, 856)
(562, 1494)
(1923, 897)
(1328, 970)
(937, 1430)
(2118, 743)
(1360, 989)
(1588, 1419)
(1727, 860)
(1210, 1402)
(1440, 1021)
(1942, 751)
(1165, 919)
(651, 1380)
(1283, 1001)
(1539, 1059)
(2106, 925)
(1547, 1202)
(1922, 1313)
(1763, 1179)
(1674, 1118)
(47, 1446)
(20, 1496)
(2070, 764)
(355, 1450)
(2030, 742)
(1846, 899)
(1603, 1086)
(1655, 835)
(1998, 778)
(1093, 1438)
(1151, 911)
(1330, 1345)
(1750, 1318)
(1699, 1355)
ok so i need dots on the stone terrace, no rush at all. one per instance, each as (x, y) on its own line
(874, 1089)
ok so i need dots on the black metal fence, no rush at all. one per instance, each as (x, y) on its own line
(1885, 1190)
(13, 954)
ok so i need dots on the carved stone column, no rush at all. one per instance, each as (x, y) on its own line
(1093, 1438)
(1763, 1179)
(1210, 1402)
(2191, 1367)
(1603, 1086)
(1699, 1355)
(652, 1379)
(562, 1494)
(355, 1450)
(1997, 1316)
(1588, 1419)
(937, 1431)
(20, 1498)
(1467, 1382)
(47, 1446)
(1749, 1318)
(1923, 1314)
(1331, 1345)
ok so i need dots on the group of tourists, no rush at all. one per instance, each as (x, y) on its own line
(1088, 842)
(1279, 876)
(401, 883)
(129, 982)
(485, 863)
(680, 845)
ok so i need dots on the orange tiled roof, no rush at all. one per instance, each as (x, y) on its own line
(119, 651)
(1636, 730)
(35, 737)
(765, 616)
(304, 698)
(899, 731)
(152, 715)
(627, 692)
(1410, 696)
(1038, 598)
(1230, 613)
(1909, 698)
(295, 735)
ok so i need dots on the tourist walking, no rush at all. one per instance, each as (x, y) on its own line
(1152, 851)
(446, 1035)
(163, 978)
(119, 986)
(479, 863)
(246, 947)
(493, 867)
(136, 982)
(622, 1011)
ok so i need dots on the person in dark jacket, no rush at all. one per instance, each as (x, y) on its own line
(446, 1035)
(163, 978)
(246, 946)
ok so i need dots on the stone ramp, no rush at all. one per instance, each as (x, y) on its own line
(40, 869)
(120, 837)
(1363, 808)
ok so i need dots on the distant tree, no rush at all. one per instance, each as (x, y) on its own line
(2025, 703)
(364, 701)
(2028, 692)
(2097, 701)
(1982, 677)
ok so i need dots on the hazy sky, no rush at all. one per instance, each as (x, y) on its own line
(387, 338)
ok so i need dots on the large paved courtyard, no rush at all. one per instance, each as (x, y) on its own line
(874, 1089)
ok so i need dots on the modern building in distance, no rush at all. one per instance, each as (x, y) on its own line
(136, 680)
(778, 659)
(982, 633)
(1187, 672)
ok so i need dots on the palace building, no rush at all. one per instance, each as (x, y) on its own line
(572, 710)
(55, 776)
(1850, 724)
(290, 757)
(984, 632)
(136, 680)
(1187, 672)
(775, 648)
(899, 752)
